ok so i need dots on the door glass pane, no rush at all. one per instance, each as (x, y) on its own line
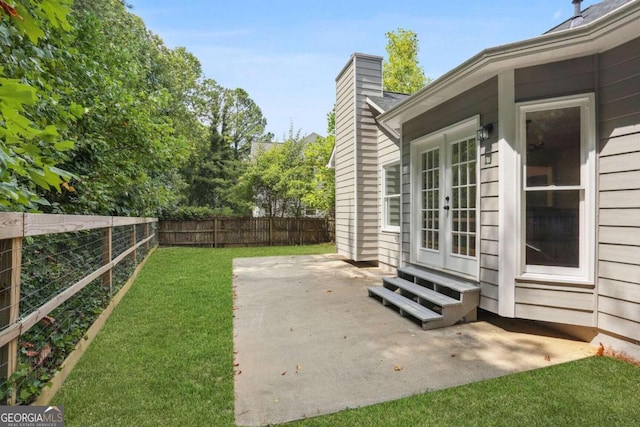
(463, 197)
(472, 246)
(553, 147)
(430, 193)
(553, 228)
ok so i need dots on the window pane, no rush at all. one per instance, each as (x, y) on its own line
(553, 228)
(393, 211)
(392, 179)
(553, 147)
(472, 149)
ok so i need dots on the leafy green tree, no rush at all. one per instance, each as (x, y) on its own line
(32, 118)
(234, 122)
(128, 150)
(317, 154)
(401, 70)
(278, 178)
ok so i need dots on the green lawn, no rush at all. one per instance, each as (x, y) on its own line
(165, 357)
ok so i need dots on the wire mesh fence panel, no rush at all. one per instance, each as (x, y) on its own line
(57, 274)
(53, 263)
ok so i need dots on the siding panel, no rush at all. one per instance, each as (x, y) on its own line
(557, 315)
(555, 79)
(557, 299)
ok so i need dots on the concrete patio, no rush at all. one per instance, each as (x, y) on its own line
(308, 341)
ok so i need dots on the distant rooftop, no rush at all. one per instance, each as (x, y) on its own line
(590, 14)
(260, 146)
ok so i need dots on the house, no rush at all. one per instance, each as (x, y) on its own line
(277, 205)
(510, 184)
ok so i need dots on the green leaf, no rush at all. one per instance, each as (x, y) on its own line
(25, 394)
(64, 145)
(16, 94)
(76, 109)
(28, 25)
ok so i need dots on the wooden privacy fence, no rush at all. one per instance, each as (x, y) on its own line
(114, 240)
(231, 232)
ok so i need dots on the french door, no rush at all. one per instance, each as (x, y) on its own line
(445, 201)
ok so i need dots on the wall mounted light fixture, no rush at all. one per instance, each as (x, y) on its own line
(484, 132)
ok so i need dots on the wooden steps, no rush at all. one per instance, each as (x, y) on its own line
(432, 298)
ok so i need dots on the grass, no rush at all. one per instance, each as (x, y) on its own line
(597, 391)
(165, 357)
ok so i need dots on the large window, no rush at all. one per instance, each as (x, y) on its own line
(391, 197)
(557, 146)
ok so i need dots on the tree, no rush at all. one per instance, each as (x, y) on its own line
(278, 178)
(401, 70)
(234, 122)
(317, 154)
(128, 151)
(31, 114)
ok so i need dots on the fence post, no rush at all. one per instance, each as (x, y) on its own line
(215, 232)
(134, 254)
(10, 264)
(270, 231)
(147, 233)
(107, 251)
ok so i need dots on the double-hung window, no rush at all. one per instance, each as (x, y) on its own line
(557, 152)
(391, 197)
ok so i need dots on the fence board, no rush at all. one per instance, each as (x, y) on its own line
(235, 231)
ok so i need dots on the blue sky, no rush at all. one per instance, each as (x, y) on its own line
(286, 54)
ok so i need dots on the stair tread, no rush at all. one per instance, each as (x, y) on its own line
(422, 292)
(420, 312)
(459, 285)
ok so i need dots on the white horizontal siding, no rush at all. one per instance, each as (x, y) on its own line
(619, 187)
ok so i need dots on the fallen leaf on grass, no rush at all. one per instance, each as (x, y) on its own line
(398, 368)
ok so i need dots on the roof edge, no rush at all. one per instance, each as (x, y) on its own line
(571, 37)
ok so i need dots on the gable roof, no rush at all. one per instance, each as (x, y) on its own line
(590, 14)
(613, 29)
(387, 101)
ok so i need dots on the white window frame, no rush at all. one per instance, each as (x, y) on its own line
(384, 197)
(584, 273)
